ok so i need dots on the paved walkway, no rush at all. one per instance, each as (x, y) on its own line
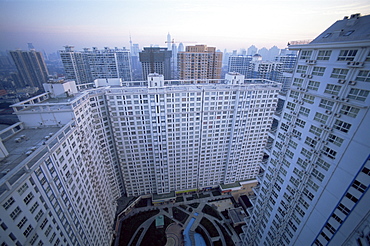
(196, 213)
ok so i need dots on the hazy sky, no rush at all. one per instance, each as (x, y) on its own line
(230, 24)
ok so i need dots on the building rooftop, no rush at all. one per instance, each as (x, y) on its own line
(22, 144)
(353, 28)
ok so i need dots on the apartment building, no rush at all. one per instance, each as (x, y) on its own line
(174, 137)
(156, 60)
(87, 65)
(58, 185)
(313, 190)
(240, 64)
(199, 62)
(31, 68)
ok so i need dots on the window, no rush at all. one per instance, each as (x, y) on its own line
(304, 111)
(22, 222)
(305, 54)
(351, 197)
(319, 71)
(310, 142)
(357, 94)
(294, 94)
(349, 111)
(300, 123)
(39, 215)
(332, 89)
(306, 153)
(335, 140)
(34, 238)
(302, 69)
(8, 203)
(329, 152)
(297, 82)
(34, 207)
(15, 213)
(320, 117)
(315, 130)
(23, 188)
(28, 231)
(308, 98)
(323, 164)
(343, 209)
(313, 85)
(339, 73)
(28, 198)
(342, 126)
(359, 186)
(326, 104)
(315, 173)
(323, 55)
(290, 106)
(363, 75)
(347, 55)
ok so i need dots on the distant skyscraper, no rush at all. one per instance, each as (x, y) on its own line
(76, 65)
(169, 42)
(156, 60)
(252, 50)
(199, 62)
(135, 63)
(181, 47)
(314, 188)
(264, 52)
(87, 65)
(110, 63)
(31, 67)
(273, 53)
(240, 64)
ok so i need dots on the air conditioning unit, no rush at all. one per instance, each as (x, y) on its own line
(309, 76)
(345, 99)
(328, 112)
(341, 81)
(337, 115)
(303, 75)
(352, 83)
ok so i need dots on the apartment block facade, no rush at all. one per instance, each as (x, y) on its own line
(31, 67)
(313, 190)
(77, 149)
(156, 60)
(87, 65)
(199, 62)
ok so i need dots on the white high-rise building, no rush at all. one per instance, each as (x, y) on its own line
(58, 184)
(314, 188)
(190, 136)
(240, 64)
(88, 65)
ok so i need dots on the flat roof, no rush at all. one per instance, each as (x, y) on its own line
(229, 186)
(237, 215)
(22, 144)
(164, 196)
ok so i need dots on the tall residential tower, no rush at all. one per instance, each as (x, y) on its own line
(314, 189)
(199, 62)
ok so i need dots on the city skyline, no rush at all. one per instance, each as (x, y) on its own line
(50, 25)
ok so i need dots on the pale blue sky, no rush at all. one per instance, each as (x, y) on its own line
(230, 24)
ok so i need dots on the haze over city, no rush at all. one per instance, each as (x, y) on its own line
(50, 25)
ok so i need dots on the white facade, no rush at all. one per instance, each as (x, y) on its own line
(68, 161)
(314, 188)
(87, 65)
